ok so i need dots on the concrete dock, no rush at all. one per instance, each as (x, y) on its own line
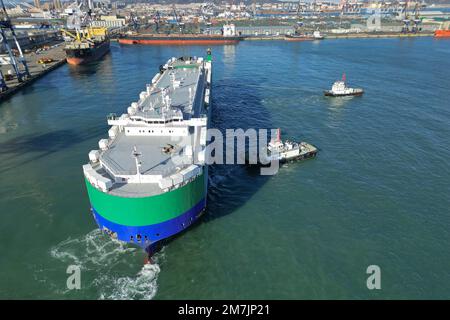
(361, 35)
(37, 70)
(366, 35)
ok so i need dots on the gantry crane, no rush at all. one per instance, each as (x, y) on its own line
(178, 19)
(406, 20)
(416, 20)
(6, 25)
(134, 21)
(157, 20)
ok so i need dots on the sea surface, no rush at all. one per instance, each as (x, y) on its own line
(377, 194)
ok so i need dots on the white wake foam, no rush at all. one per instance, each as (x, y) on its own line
(143, 286)
(109, 267)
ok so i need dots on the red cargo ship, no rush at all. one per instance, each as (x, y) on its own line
(442, 33)
(178, 39)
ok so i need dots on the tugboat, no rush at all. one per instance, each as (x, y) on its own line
(317, 35)
(340, 89)
(281, 152)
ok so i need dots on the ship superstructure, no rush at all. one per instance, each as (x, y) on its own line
(148, 180)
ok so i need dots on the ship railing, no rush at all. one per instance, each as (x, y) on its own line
(111, 116)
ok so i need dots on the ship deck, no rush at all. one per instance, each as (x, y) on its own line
(188, 75)
(119, 158)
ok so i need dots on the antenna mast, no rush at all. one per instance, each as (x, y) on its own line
(136, 154)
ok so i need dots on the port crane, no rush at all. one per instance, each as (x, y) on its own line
(6, 25)
(178, 18)
(134, 21)
(300, 10)
(157, 20)
(254, 11)
(79, 16)
(416, 20)
(406, 20)
(206, 11)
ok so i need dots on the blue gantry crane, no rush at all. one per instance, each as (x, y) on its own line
(5, 26)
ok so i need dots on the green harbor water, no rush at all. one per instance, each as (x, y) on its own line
(377, 194)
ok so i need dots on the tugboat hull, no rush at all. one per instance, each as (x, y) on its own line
(308, 151)
(331, 94)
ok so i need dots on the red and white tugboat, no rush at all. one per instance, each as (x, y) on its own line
(287, 150)
(340, 89)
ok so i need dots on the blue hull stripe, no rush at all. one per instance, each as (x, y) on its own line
(154, 232)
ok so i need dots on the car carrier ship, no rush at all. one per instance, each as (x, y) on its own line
(228, 36)
(148, 181)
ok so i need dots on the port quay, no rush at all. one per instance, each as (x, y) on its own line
(267, 150)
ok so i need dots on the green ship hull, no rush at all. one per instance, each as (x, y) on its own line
(147, 220)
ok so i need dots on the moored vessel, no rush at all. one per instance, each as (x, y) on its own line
(148, 181)
(86, 45)
(304, 37)
(443, 31)
(340, 89)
